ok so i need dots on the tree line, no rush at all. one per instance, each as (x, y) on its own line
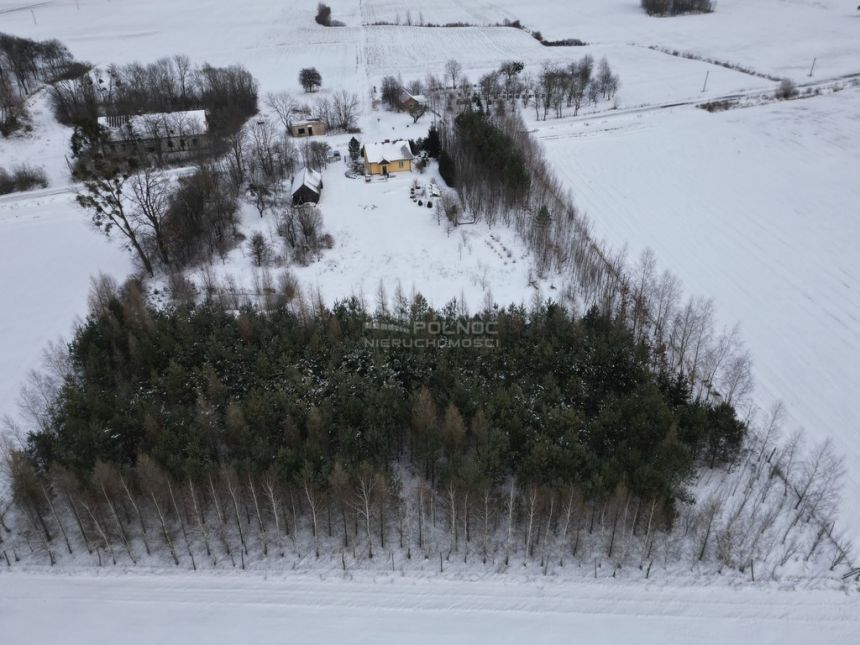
(228, 94)
(554, 90)
(25, 65)
(247, 437)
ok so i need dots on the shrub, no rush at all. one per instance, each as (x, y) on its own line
(786, 89)
(447, 169)
(676, 7)
(181, 289)
(718, 106)
(288, 286)
(323, 15)
(22, 178)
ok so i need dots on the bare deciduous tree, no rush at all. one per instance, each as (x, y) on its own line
(453, 69)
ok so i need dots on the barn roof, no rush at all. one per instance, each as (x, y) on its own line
(388, 151)
(405, 97)
(308, 178)
(155, 125)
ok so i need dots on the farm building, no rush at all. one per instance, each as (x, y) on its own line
(387, 157)
(411, 102)
(307, 127)
(307, 187)
(164, 136)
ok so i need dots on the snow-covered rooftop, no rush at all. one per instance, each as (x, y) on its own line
(156, 125)
(387, 151)
(307, 177)
(405, 96)
(305, 121)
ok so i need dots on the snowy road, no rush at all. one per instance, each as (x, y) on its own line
(42, 609)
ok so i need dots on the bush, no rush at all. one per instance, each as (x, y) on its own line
(22, 178)
(786, 89)
(447, 169)
(676, 7)
(288, 286)
(323, 15)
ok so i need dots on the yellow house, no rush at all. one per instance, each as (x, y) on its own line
(387, 157)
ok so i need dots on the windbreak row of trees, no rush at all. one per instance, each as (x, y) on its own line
(573, 86)
(24, 66)
(228, 94)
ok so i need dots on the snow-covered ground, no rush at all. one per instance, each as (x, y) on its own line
(48, 253)
(382, 237)
(777, 37)
(90, 610)
(46, 146)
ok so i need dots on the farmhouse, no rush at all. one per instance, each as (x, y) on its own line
(307, 187)
(411, 102)
(165, 135)
(307, 127)
(387, 157)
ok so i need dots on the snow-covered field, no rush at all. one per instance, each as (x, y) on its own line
(384, 610)
(48, 253)
(756, 208)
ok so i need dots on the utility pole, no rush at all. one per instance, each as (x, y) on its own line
(705, 86)
(811, 69)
